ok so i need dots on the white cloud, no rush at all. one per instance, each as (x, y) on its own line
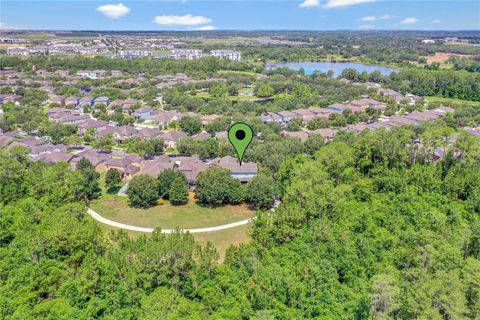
(374, 18)
(204, 28)
(366, 26)
(345, 3)
(436, 21)
(409, 21)
(114, 11)
(369, 18)
(186, 20)
(309, 4)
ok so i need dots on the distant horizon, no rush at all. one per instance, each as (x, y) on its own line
(208, 15)
(242, 30)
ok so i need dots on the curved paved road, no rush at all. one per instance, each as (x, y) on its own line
(106, 221)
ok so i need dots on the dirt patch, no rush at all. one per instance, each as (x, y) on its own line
(443, 57)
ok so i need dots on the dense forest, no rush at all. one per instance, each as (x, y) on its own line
(369, 227)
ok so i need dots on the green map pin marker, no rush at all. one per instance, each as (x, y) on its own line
(240, 135)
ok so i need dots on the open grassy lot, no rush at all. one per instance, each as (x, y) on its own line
(454, 101)
(247, 73)
(168, 216)
(188, 216)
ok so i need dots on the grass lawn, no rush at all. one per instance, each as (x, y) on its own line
(168, 216)
(189, 216)
(247, 73)
(453, 101)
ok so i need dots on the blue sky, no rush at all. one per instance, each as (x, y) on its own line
(240, 15)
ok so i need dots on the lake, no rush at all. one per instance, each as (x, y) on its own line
(337, 67)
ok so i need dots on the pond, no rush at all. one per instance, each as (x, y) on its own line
(336, 67)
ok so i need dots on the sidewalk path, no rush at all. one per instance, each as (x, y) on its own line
(106, 221)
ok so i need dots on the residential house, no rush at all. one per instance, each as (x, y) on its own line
(15, 98)
(357, 128)
(286, 116)
(96, 125)
(303, 112)
(27, 142)
(222, 135)
(327, 133)
(165, 117)
(271, 117)
(58, 100)
(48, 89)
(244, 172)
(401, 121)
(127, 166)
(171, 137)
(153, 168)
(116, 73)
(302, 135)
(207, 119)
(72, 101)
(74, 119)
(412, 99)
(202, 136)
(149, 133)
(55, 157)
(5, 140)
(86, 101)
(392, 93)
(97, 159)
(36, 151)
(58, 112)
(120, 133)
(128, 104)
(144, 113)
(366, 102)
(101, 100)
(191, 167)
(321, 112)
(337, 107)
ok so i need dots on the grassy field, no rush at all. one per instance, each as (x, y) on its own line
(247, 73)
(453, 101)
(188, 216)
(168, 216)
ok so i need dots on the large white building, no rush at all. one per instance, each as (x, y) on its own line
(227, 54)
(188, 54)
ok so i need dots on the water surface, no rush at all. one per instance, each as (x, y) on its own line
(336, 67)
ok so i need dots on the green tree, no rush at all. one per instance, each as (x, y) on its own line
(191, 125)
(178, 193)
(165, 180)
(218, 90)
(112, 180)
(90, 186)
(265, 91)
(104, 143)
(142, 191)
(215, 186)
(261, 191)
